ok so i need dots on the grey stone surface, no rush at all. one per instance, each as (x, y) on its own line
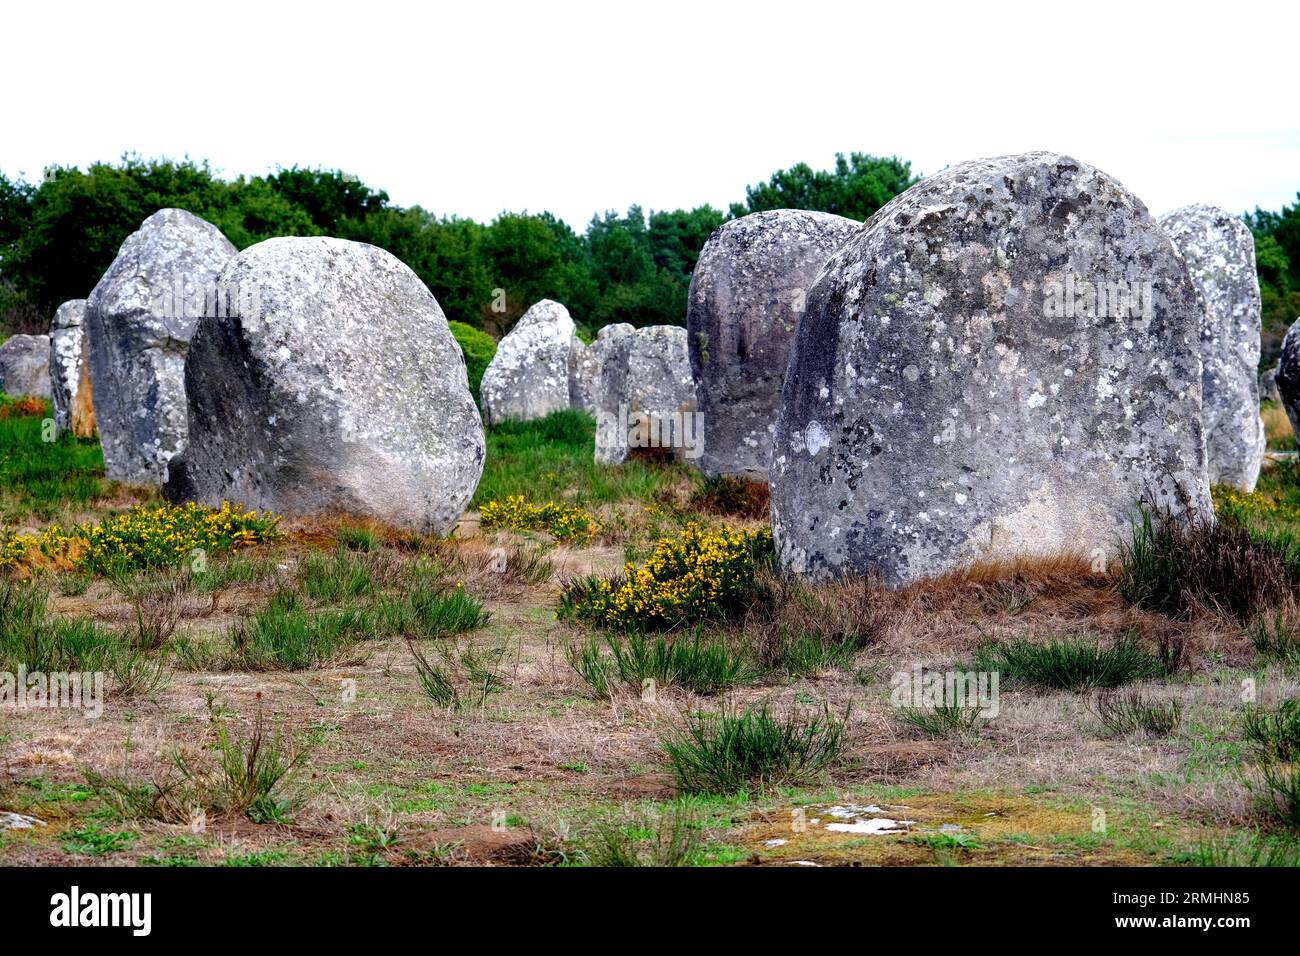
(139, 320)
(25, 366)
(340, 389)
(954, 393)
(613, 342)
(1288, 375)
(1219, 251)
(653, 406)
(65, 360)
(747, 293)
(528, 378)
(586, 363)
(1268, 386)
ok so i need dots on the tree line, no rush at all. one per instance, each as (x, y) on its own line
(58, 235)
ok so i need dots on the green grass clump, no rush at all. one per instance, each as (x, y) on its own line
(1122, 715)
(943, 721)
(1250, 849)
(700, 665)
(334, 577)
(1068, 663)
(1274, 734)
(286, 635)
(726, 753)
(672, 839)
(426, 610)
(1276, 639)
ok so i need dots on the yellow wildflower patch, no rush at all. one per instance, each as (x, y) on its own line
(695, 576)
(561, 522)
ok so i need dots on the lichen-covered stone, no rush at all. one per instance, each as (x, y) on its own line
(25, 366)
(528, 378)
(1004, 361)
(747, 294)
(65, 360)
(81, 416)
(339, 389)
(1219, 251)
(653, 406)
(1268, 386)
(613, 343)
(139, 320)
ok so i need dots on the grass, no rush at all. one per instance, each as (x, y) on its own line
(1276, 638)
(285, 635)
(1274, 734)
(672, 839)
(728, 752)
(43, 478)
(1125, 714)
(1249, 849)
(1066, 663)
(1177, 567)
(432, 611)
(93, 840)
(549, 458)
(943, 721)
(645, 663)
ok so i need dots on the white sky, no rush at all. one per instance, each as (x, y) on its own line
(481, 107)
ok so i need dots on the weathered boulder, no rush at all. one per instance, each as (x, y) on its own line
(65, 360)
(1288, 375)
(338, 389)
(139, 319)
(653, 406)
(1004, 361)
(25, 366)
(613, 342)
(584, 375)
(747, 294)
(529, 376)
(1219, 251)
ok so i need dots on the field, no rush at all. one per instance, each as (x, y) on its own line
(338, 693)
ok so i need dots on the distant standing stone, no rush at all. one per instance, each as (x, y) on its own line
(25, 366)
(654, 409)
(65, 360)
(339, 390)
(528, 378)
(1004, 361)
(747, 294)
(613, 343)
(1219, 251)
(139, 319)
(1268, 386)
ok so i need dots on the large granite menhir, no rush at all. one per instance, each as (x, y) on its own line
(1004, 362)
(746, 297)
(138, 321)
(338, 389)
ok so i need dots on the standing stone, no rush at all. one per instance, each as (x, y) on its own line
(338, 389)
(747, 294)
(25, 366)
(81, 416)
(1288, 376)
(528, 378)
(139, 319)
(1268, 386)
(655, 406)
(1004, 361)
(65, 360)
(613, 343)
(584, 375)
(1219, 251)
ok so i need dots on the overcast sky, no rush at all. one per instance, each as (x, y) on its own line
(479, 107)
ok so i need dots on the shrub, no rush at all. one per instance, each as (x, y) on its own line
(143, 539)
(560, 521)
(479, 349)
(1124, 714)
(697, 576)
(725, 753)
(705, 667)
(1174, 566)
(1069, 663)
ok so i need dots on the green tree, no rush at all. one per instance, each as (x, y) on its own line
(855, 188)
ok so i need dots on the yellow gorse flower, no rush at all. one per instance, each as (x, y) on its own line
(562, 522)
